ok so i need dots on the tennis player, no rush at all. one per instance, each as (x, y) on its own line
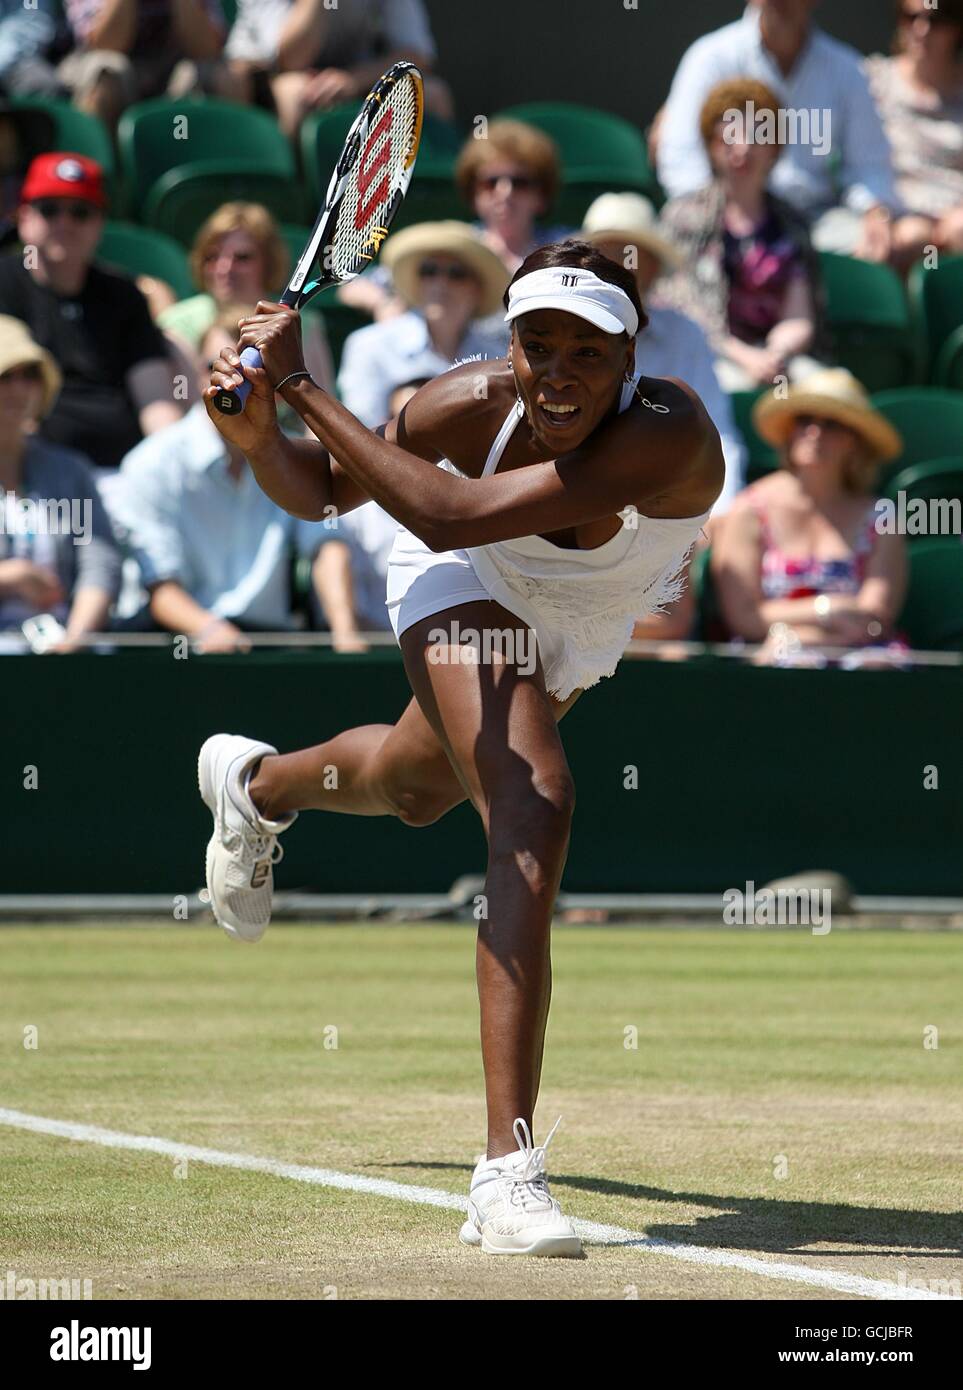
(545, 503)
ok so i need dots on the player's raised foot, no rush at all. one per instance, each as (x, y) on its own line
(244, 847)
(510, 1209)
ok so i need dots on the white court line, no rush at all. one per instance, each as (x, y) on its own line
(590, 1231)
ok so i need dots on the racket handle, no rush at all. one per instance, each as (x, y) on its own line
(231, 401)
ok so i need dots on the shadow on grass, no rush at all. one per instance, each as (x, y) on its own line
(767, 1223)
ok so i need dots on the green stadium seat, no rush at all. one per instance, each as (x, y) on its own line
(761, 458)
(432, 195)
(157, 137)
(929, 418)
(600, 153)
(710, 626)
(868, 318)
(80, 133)
(935, 478)
(932, 616)
(143, 251)
(948, 370)
(936, 301)
(182, 199)
(75, 130)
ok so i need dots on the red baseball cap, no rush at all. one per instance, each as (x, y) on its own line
(60, 175)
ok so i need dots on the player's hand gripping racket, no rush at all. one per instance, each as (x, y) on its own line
(366, 190)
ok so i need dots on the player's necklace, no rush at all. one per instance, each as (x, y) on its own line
(659, 409)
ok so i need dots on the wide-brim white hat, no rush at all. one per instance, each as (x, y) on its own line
(404, 251)
(631, 219)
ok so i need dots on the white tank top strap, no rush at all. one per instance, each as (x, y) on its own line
(517, 413)
(502, 437)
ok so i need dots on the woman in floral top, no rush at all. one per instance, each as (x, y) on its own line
(750, 276)
(919, 93)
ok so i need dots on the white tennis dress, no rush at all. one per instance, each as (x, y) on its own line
(581, 604)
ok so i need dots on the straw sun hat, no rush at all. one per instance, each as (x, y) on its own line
(18, 349)
(405, 251)
(629, 218)
(833, 393)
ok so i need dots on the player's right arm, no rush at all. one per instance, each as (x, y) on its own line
(299, 474)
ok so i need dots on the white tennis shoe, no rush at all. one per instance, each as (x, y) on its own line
(510, 1209)
(244, 847)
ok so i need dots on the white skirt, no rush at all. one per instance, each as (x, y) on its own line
(422, 582)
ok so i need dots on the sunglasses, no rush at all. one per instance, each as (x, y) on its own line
(519, 183)
(431, 270)
(823, 421)
(934, 16)
(30, 373)
(79, 211)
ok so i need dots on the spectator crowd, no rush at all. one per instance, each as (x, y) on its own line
(734, 221)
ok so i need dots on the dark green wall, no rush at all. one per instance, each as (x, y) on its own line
(597, 52)
(744, 773)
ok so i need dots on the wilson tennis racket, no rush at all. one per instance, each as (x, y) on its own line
(366, 190)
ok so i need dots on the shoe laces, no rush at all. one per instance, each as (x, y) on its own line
(254, 848)
(528, 1185)
(252, 845)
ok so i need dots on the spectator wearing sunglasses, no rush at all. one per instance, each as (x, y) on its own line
(509, 179)
(57, 551)
(799, 561)
(117, 377)
(919, 95)
(449, 280)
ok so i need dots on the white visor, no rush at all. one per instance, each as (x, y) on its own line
(574, 291)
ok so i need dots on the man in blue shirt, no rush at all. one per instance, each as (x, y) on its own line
(214, 551)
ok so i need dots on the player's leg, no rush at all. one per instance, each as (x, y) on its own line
(255, 794)
(375, 770)
(499, 728)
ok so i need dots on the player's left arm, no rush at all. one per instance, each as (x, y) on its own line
(635, 458)
(641, 460)
(632, 460)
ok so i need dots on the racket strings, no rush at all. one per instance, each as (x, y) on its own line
(376, 181)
